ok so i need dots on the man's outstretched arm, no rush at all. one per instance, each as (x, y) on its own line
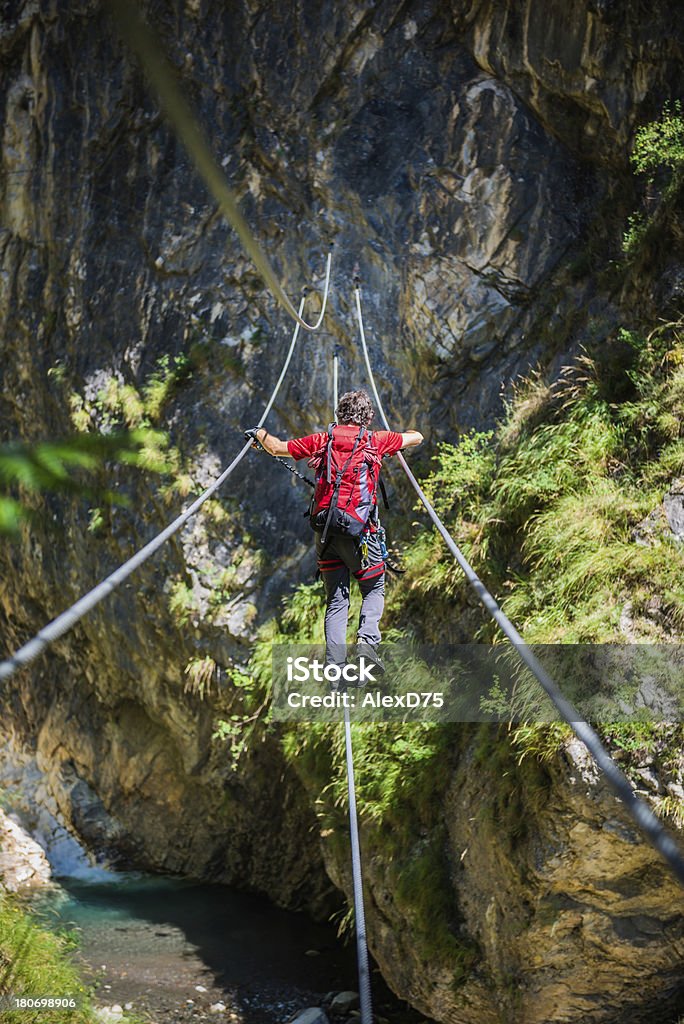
(273, 445)
(411, 438)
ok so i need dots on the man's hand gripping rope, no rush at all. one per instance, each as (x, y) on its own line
(253, 435)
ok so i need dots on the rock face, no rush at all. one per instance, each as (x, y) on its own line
(34, 810)
(565, 881)
(469, 158)
(545, 917)
(584, 68)
(23, 864)
(667, 521)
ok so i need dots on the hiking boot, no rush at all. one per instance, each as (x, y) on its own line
(369, 652)
(337, 685)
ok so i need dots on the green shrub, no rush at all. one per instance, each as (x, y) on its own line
(660, 143)
(658, 153)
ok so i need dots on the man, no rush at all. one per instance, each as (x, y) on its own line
(340, 554)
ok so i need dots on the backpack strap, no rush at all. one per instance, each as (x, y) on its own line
(338, 482)
(328, 457)
(381, 484)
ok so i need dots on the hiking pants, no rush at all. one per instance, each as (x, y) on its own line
(339, 559)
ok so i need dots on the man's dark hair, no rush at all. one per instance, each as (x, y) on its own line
(355, 407)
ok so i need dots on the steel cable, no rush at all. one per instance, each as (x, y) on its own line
(357, 876)
(335, 382)
(642, 814)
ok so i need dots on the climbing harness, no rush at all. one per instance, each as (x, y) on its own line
(392, 566)
(644, 817)
(363, 549)
(381, 537)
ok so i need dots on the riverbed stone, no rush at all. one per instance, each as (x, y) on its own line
(343, 1002)
(109, 1014)
(312, 1015)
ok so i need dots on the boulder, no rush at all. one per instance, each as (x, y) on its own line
(343, 1003)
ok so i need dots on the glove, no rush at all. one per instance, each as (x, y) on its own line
(251, 435)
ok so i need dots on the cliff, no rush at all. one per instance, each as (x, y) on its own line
(472, 160)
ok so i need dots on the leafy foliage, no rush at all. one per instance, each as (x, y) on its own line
(660, 143)
(658, 153)
(182, 601)
(119, 403)
(241, 713)
(60, 467)
(636, 233)
(168, 374)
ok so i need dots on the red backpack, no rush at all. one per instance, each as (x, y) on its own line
(347, 474)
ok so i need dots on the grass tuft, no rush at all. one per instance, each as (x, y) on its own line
(35, 962)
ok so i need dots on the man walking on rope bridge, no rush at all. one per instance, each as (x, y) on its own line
(347, 459)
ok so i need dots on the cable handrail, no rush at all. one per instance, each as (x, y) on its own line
(642, 814)
(365, 998)
(29, 651)
(140, 38)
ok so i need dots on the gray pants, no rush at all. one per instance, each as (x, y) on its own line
(337, 562)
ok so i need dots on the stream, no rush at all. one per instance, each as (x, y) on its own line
(172, 950)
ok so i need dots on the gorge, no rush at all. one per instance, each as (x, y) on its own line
(470, 160)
